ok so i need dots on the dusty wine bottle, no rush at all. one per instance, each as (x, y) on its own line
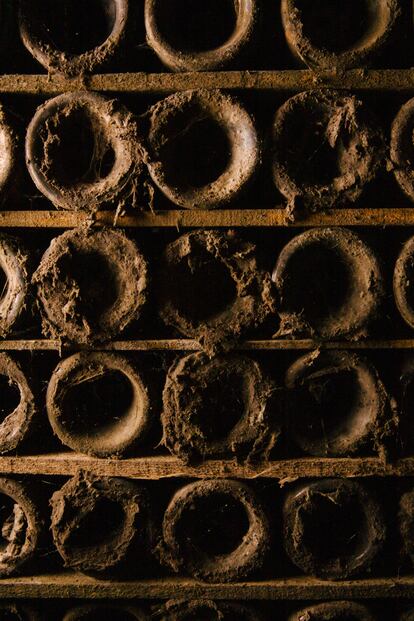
(97, 404)
(403, 283)
(199, 36)
(333, 528)
(14, 283)
(203, 148)
(329, 283)
(217, 408)
(99, 524)
(337, 405)
(402, 148)
(406, 523)
(216, 531)
(239, 295)
(326, 150)
(334, 611)
(17, 405)
(70, 37)
(339, 35)
(8, 149)
(82, 151)
(91, 284)
(111, 611)
(20, 527)
(194, 610)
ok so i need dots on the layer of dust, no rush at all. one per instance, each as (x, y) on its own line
(14, 296)
(39, 41)
(215, 531)
(330, 285)
(98, 523)
(210, 288)
(17, 423)
(338, 406)
(202, 148)
(83, 152)
(333, 529)
(327, 149)
(91, 284)
(323, 44)
(217, 34)
(219, 407)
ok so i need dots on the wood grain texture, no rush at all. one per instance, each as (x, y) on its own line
(284, 80)
(164, 467)
(219, 218)
(70, 585)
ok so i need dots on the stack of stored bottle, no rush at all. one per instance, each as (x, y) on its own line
(250, 438)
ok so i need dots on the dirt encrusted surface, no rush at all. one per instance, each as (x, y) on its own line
(91, 284)
(211, 289)
(83, 152)
(219, 407)
(327, 149)
(176, 39)
(14, 272)
(216, 531)
(17, 424)
(333, 611)
(403, 282)
(20, 527)
(330, 285)
(324, 37)
(39, 39)
(402, 149)
(202, 148)
(333, 528)
(99, 524)
(338, 406)
(182, 610)
(97, 404)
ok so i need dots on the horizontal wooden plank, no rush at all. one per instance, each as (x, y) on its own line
(187, 218)
(164, 467)
(281, 80)
(71, 585)
(190, 345)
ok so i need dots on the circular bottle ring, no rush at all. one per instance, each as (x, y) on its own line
(329, 283)
(39, 40)
(402, 151)
(82, 151)
(336, 405)
(20, 530)
(180, 55)
(318, 520)
(326, 150)
(16, 426)
(86, 426)
(91, 284)
(15, 285)
(217, 407)
(203, 148)
(239, 295)
(333, 611)
(313, 35)
(97, 612)
(99, 523)
(402, 282)
(183, 548)
(182, 610)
